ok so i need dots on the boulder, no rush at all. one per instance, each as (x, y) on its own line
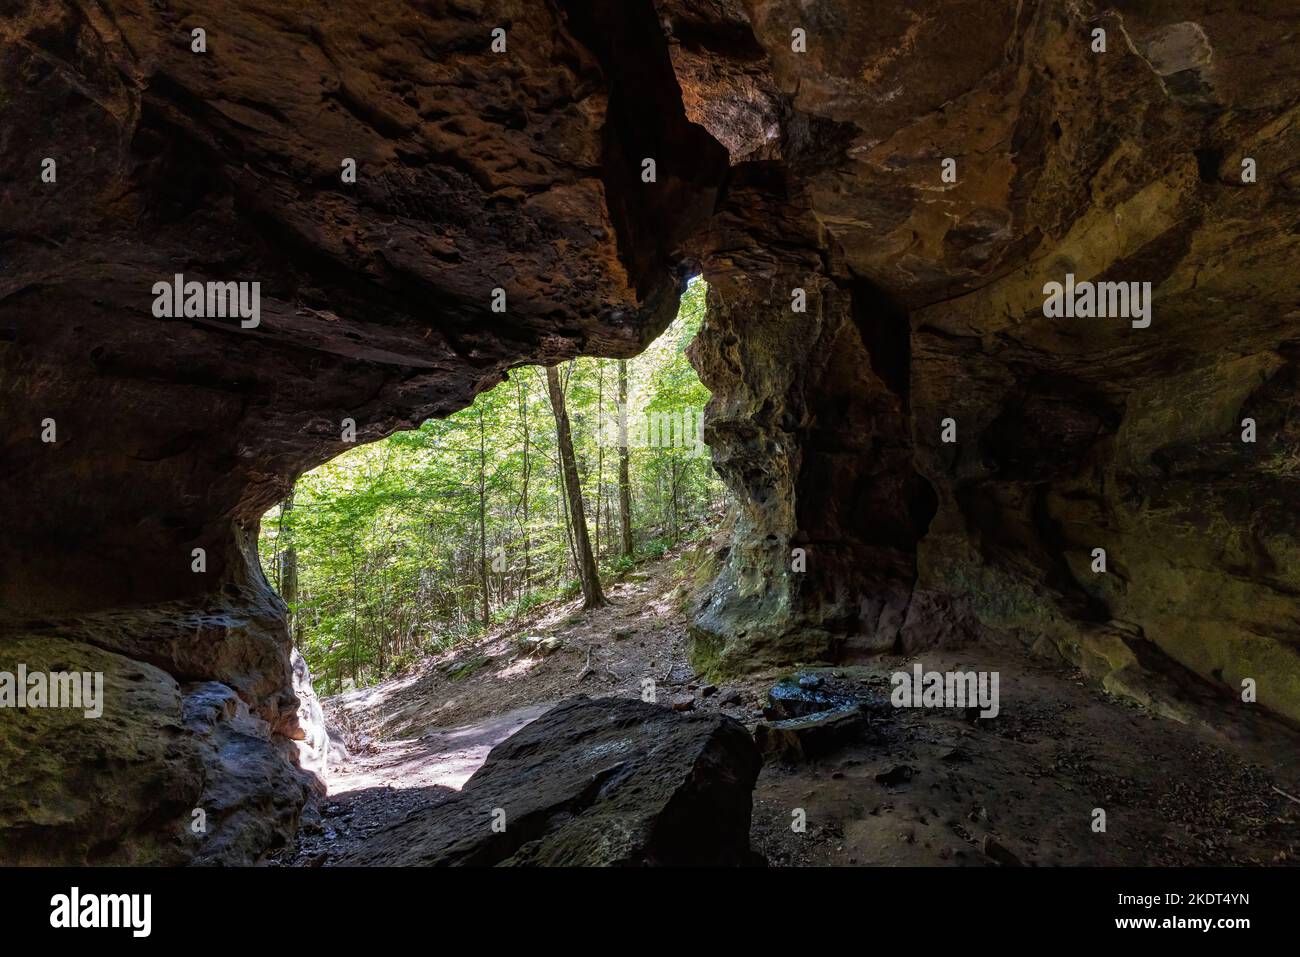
(74, 789)
(166, 774)
(465, 667)
(253, 790)
(807, 717)
(592, 783)
(542, 645)
(800, 739)
(789, 698)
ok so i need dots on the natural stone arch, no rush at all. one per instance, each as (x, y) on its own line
(818, 169)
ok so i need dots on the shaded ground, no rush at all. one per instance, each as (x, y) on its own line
(914, 787)
(928, 787)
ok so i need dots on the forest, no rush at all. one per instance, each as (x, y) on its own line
(554, 481)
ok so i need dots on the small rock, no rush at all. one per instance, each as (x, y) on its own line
(682, 702)
(709, 690)
(898, 774)
(809, 682)
(731, 696)
(463, 669)
(996, 852)
(538, 645)
(798, 739)
(789, 699)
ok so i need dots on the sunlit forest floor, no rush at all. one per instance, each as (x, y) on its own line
(922, 787)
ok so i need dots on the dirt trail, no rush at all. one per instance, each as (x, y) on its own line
(415, 738)
(921, 786)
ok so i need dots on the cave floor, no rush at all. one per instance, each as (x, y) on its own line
(917, 787)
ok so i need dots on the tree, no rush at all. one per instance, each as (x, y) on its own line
(588, 574)
(482, 516)
(393, 548)
(288, 570)
(624, 480)
(525, 472)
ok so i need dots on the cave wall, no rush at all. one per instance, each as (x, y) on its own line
(809, 428)
(475, 170)
(1071, 434)
(777, 169)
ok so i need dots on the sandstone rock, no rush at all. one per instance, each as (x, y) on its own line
(253, 791)
(928, 297)
(123, 788)
(998, 852)
(898, 774)
(542, 645)
(789, 698)
(117, 789)
(779, 171)
(464, 667)
(801, 739)
(593, 782)
(318, 749)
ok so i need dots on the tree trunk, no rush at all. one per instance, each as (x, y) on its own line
(288, 571)
(523, 419)
(624, 483)
(600, 451)
(482, 516)
(592, 596)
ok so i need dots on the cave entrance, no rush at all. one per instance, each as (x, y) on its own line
(433, 577)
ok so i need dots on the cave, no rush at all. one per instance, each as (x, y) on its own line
(396, 208)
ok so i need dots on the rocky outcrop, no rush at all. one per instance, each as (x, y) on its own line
(79, 789)
(800, 156)
(808, 426)
(1070, 435)
(164, 773)
(607, 782)
(142, 450)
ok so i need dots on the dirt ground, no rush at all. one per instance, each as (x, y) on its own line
(915, 787)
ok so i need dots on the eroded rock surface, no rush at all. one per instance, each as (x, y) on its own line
(778, 169)
(133, 530)
(164, 774)
(1071, 434)
(605, 782)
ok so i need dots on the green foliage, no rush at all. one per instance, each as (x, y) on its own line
(654, 548)
(396, 544)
